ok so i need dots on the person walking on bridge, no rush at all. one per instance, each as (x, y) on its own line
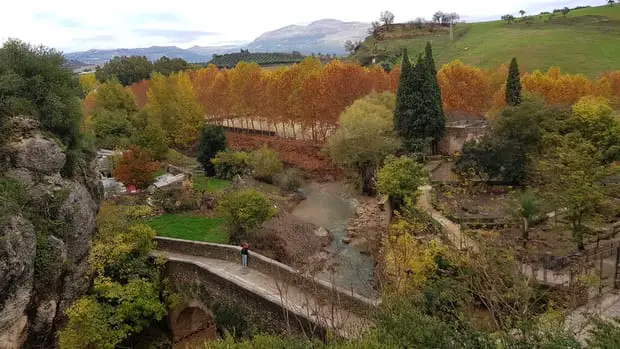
(244, 255)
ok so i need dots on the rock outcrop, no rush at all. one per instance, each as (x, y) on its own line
(43, 243)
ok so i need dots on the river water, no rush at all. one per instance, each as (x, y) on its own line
(328, 205)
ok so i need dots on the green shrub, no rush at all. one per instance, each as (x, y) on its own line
(265, 164)
(35, 82)
(245, 210)
(290, 179)
(230, 163)
(400, 178)
(153, 138)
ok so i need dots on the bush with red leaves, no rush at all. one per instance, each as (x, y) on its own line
(136, 167)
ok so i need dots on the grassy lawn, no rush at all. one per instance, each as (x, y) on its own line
(190, 227)
(211, 185)
(585, 41)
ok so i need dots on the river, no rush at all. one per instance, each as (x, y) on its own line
(330, 206)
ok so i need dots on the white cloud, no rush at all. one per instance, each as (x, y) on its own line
(76, 25)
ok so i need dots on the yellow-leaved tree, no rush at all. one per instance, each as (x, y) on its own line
(88, 83)
(173, 104)
(408, 262)
(595, 120)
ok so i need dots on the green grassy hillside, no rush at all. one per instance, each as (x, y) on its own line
(585, 41)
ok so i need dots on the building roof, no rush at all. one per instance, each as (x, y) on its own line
(167, 179)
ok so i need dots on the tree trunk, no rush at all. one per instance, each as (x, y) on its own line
(367, 185)
(578, 235)
(525, 234)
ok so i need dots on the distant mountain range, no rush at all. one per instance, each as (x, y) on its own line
(323, 36)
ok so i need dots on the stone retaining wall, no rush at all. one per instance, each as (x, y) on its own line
(323, 290)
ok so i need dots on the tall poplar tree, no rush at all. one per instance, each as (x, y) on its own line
(513, 84)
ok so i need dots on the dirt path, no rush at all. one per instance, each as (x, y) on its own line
(451, 229)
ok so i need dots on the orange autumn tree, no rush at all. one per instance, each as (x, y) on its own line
(139, 90)
(380, 80)
(277, 92)
(556, 88)
(394, 77)
(203, 81)
(245, 91)
(297, 103)
(315, 116)
(283, 99)
(464, 88)
(222, 100)
(136, 167)
(613, 80)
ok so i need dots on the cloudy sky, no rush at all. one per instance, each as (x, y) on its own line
(72, 25)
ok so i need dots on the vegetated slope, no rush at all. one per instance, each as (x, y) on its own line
(229, 60)
(585, 41)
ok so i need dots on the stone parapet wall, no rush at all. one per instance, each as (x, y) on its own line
(351, 301)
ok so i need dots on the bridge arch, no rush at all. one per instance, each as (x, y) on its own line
(191, 324)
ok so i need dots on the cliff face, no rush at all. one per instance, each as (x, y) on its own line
(45, 241)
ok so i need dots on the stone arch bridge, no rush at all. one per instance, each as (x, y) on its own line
(271, 296)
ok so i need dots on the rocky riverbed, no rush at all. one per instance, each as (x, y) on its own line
(366, 230)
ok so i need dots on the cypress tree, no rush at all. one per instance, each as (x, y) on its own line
(404, 102)
(437, 119)
(418, 117)
(428, 57)
(513, 84)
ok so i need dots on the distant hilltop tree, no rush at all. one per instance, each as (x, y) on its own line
(387, 18)
(352, 46)
(508, 18)
(445, 18)
(565, 11)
